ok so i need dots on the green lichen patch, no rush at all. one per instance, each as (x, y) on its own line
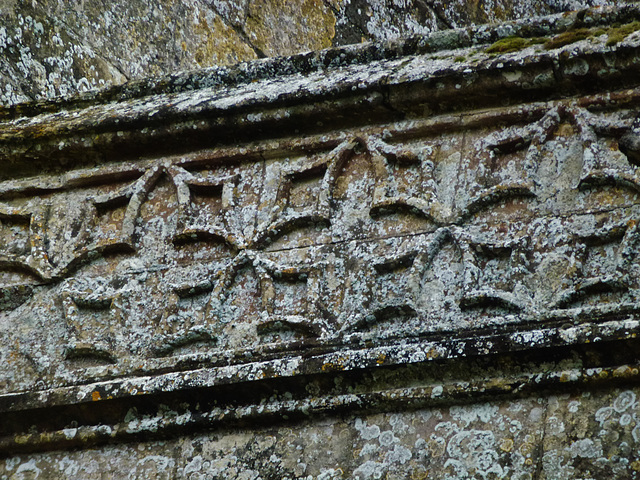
(618, 34)
(513, 44)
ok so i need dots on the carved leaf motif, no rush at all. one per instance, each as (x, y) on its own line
(398, 286)
(285, 300)
(122, 224)
(600, 166)
(206, 204)
(305, 194)
(607, 264)
(494, 274)
(183, 323)
(603, 166)
(116, 214)
(279, 308)
(506, 173)
(109, 225)
(290, 300)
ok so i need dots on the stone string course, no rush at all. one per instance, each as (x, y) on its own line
(588, 435)
(414, 259)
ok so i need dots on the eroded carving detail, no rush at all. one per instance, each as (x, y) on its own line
(366, 235)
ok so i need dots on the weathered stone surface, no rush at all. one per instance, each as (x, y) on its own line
(410, 259)
(409, 228)
(51, 48)
(586, 435)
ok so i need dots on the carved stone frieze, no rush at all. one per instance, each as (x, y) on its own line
(364, 235)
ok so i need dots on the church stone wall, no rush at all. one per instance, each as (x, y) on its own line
(50, 48)
(408, 259)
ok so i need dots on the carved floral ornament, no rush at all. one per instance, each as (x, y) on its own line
(370, 237)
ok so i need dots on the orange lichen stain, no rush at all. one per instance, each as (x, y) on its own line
(526, 449)
(565, 377)
(624, 371)
(14, 356)
(432, 353)
(381, 358)
(565, 130)
(506, 445)
(419, 475)
(95, 396)
(498, 383)
(21, 439)
(332, 367)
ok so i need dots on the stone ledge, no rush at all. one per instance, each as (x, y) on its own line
(376, 83)
(337, 58)
(409, 386)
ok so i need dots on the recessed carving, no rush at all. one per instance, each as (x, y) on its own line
(358, 237)
(92, 328)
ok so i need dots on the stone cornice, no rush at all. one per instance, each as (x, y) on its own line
(335, 58)
(446, 72)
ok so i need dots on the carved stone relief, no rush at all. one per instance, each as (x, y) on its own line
(379, 234)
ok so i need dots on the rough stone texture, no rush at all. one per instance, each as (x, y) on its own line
(584, 435)
(413, 259)
(52, 47)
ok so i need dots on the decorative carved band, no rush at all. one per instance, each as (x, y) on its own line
(376, 235)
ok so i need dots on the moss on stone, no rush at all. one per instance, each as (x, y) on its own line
(618, 34)
(568, 37)
(513, 44)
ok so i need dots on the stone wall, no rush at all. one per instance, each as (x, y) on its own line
(585, 435)
(50, 48)
(409, 259)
